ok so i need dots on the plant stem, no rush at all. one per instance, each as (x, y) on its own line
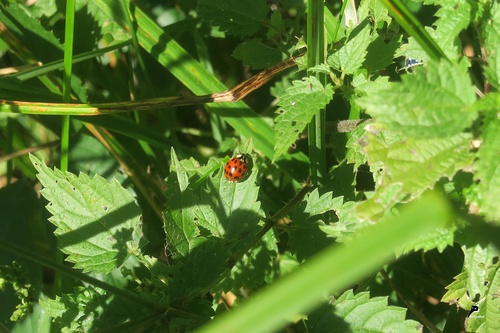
(68, 68)
(316, 56)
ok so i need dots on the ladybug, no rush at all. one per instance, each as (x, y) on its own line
(236, 168)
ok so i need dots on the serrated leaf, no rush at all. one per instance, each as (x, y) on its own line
(255, 268)
(490, 103)
(89, 309)
(306, 236)
(438, 239)
(380, 203)
(97, 222)
(488, 316)
(478, 259)
(351, 55)
(347, 226)
(454, 16)
(180, 216)
(296, 109)
(492, 40)
(360, 313)
(182, 176)
(488, 171)
(239, 18)
(255, 54)
(355, 154)
(316, 204)
(432, 103)
(380, 54)
(235, 208)
(457, 291)
(413, 165)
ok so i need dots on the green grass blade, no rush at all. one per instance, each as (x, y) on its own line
(68, 69)
(334, 269)
(58, 64)
(414, 28)
(315, 57)
(199, 80)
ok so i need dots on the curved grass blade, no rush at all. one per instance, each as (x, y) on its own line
(414, 28)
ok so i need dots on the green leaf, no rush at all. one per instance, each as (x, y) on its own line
(492, 40)
(350, 57)
(457, 291)
(306, 237)
(380, 54)
(454, 16)
(333, 270)
(488, 171)
(255, 268)
(255, 54)
(488, 316)
(240, 18)
(355, 154)
(297, 107)
(478, 259)
(411, 166)
(432, 103)
(359, 313)
(439, 239)
(207, 226)
(489, 103)
(234, 210)
(98, 222)
(89, 309)
(345, 229)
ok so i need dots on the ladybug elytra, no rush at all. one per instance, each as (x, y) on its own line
(236, 168)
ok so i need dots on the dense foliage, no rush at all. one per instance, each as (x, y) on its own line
(370, 200)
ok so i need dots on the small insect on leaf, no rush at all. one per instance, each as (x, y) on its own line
(236, 168)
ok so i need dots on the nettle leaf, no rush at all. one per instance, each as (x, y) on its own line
(297, 108)
(380, 54)
(489, 103)
(234, 209)
(432, 103)
(355, 154)
(218, 209)
(350, 57)
(360, 313)
(98, 222)
(180, 216)
(454, 16)
(478, 260)
(411, 166)
(439, 239)
(89, 309)
(239, 18)
(488, 171)
(207, 225)
(306, 236)
(255, 268)
(348, 224)
(257, 55)
(492, 40)
(487, 319)
(457, 291)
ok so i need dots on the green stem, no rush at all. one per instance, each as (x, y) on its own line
(316, 56)
(68, 68)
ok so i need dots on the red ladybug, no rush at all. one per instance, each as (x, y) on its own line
(236, 168)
